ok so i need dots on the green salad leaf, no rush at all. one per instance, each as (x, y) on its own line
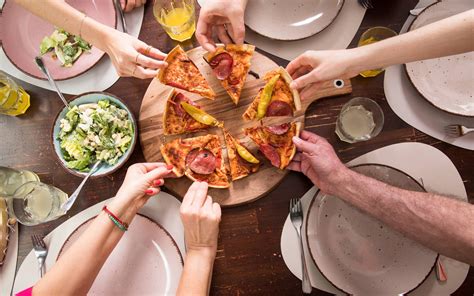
(67, 47)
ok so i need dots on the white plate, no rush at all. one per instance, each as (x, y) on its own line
(291, 20)
(446, 82)
(360, 255)
(146, 260)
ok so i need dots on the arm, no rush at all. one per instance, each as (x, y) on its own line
(449, 36)
(76, 270)
(440, 223)
(201, 217)
(130, 56)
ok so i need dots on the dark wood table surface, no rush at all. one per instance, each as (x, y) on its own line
(249, 260)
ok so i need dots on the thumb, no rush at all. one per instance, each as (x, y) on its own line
(304, 146)
(304, 80)
(158, 173)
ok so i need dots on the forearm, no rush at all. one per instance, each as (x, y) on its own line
(64, 16)
(446, 37)
(76, 270)
(443, 224)
(197, 273)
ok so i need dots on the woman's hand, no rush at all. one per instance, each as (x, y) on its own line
(201, 219)
(312, 68)
(225, 17)
(129, 5)
(316, 159)
(132, 57)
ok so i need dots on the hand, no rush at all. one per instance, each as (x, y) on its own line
(201, 219)
(312, 68)
(226, 17)
(142, 181)
(316, 159)
(132, 57)
(129, 5)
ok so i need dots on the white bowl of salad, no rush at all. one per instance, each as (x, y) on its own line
(98, 126)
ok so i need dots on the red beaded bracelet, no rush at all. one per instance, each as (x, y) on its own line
(123, 224)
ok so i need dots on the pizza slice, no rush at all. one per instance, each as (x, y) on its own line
(182, 73)
(230, 64)
(199, 158)
(242, 162)
(277, 98)
(275, 142)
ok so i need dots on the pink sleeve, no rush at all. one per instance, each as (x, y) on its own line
(27, 292)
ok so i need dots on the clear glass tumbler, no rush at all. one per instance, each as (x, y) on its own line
(177, 17)
(373, 35)
(14, 100)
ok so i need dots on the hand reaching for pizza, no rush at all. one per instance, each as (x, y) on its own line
(312, 68)
(129, 5)
(132, 57)
(226, 18)
(316, 159)
(201, 217)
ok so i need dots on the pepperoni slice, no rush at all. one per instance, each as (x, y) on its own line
(279, 108)
(270, 153)
(279, 129)
(222, 64)
(201, 161)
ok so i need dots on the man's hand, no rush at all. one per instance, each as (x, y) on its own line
(226, 18)
(316, 159)
(201, 219)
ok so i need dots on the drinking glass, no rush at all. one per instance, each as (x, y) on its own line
(176, 17)
(11, 179)
(14, 100)
(34, 203)
(360, 119)
(373, 35)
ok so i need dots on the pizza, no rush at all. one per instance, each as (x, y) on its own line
(276, 98)
(199, 158)
(175, 119)
(182, 73)
(275, 142)
(242, 162)
(230, 64)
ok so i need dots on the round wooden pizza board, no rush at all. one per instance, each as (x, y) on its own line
(253, 186)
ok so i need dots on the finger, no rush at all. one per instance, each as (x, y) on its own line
(200, 195)
(301, 71)
(310, 137)
(297, 156)
(157, 173)
(207, 207)
(130, 5)
(143, 73)
(158, 182)
(153, 165)
(150, 63)
(294, 166)
(204, 35)
(150, 51)
(216, 208)
(152, 191)
(305, 80)
(222, 35)
(301, 60)
(122, 3)
(238, 28)
(189, 196)
(304, 146)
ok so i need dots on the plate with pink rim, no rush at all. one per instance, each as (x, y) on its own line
(146, 261)
(360, 255)
(291, 20)
(22, 33)
(447, 82)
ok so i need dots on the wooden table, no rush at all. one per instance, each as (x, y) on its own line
(248, 260)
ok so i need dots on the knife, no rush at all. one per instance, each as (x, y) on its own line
(122, 16)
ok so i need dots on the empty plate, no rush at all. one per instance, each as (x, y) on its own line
(22, 33)
(146, 261)
(291, 20)
(357, 253)
(447, 82)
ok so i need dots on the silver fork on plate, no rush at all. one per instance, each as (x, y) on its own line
(457, 130)
(40, 251)
(296, 217)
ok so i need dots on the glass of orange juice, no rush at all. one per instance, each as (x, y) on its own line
(176, 17)
(14, 100)
(373, 35)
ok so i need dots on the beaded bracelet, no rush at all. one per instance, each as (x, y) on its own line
(119, 223)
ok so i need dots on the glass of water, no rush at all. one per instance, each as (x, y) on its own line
(11, 179)
(34, 203)
(360, 119)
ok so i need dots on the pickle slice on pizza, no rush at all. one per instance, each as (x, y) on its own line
(241, 160)
(182, 115)
(199, 158)
(230, 64)
(182, 73)
(276, 98)
(275, 142)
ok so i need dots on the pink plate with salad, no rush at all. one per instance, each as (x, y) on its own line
(25, 36)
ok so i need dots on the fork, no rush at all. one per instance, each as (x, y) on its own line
(40, 251)
(296, 217)
(366, 3)
(457, 130)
